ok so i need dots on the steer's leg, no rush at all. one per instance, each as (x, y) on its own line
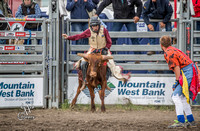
(77, 93)
(91, 89)
(102, 96)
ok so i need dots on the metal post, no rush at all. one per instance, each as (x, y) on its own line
(192, 38)
(181, 28)
(44, 43)
(50, 54)
(67, 58)
(62, 64)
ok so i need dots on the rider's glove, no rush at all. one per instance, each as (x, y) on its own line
(175, 84)
(105, 51)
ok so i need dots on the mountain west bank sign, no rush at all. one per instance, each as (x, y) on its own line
(17, 91)
(139, 90)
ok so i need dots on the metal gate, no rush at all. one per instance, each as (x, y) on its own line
(23, 69)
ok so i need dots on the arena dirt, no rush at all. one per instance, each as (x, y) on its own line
(79, 120)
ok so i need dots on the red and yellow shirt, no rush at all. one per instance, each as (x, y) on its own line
(175, 57)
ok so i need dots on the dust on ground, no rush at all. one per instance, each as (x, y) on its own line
(81, 120)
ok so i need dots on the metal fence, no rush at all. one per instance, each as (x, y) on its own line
(24, 60)
(127, 60)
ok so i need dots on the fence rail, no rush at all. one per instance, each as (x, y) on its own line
(125, 56)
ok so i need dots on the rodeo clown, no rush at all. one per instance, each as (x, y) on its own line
(186, 84)
(99, 41)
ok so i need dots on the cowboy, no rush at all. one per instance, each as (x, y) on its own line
(99, 41)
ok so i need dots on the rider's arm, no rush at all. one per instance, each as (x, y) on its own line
(108, 39)
(82, 35)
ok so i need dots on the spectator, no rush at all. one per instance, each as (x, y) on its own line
(29, 9)
(196, 4)
(5, 11)
(99, 41)
(95, 2)
(157, 9)
(123, 9)
(185, 86)
(79, 10)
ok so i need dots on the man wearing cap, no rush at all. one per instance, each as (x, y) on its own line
(99, 41)
(29, 9)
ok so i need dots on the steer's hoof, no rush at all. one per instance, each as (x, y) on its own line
(103, 109)
(71, 106)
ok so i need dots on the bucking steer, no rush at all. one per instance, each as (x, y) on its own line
(96, 75)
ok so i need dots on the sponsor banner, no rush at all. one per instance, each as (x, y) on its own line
(17, 91)
(29, 47)
(138, 90)
(11, 34)
(141, 27)
(19, 48)
(16, 25)
(9, 47)
(32, 34)
(20, 34)
(2, 34)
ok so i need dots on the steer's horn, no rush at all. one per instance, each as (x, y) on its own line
(106, 57)
(83, 55)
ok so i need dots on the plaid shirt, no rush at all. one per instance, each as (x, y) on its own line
(36, 15)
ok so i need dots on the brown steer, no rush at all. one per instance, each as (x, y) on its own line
(96, 75)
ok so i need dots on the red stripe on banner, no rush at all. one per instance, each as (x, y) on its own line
(22, 34)
(2, 34)
(9, 47)
(30, 19)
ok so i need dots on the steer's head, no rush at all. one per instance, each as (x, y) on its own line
(95, 61)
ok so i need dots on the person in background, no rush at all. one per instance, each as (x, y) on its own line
(5, 11)
(29, 9)
(95, 2)
(157, 9)
(185, 86)
(123, 9)
(79, 10)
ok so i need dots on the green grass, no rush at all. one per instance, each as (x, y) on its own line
(127, 107)
(65, 105)
(124, 107)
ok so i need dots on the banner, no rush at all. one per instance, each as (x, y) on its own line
(17, 91)
(138, 90)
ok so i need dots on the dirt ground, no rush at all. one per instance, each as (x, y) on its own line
(84, 120)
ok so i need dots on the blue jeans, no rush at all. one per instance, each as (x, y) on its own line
(198, 29)
(131, 26)
(188, 71)
(168, 27)
(80, 27)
